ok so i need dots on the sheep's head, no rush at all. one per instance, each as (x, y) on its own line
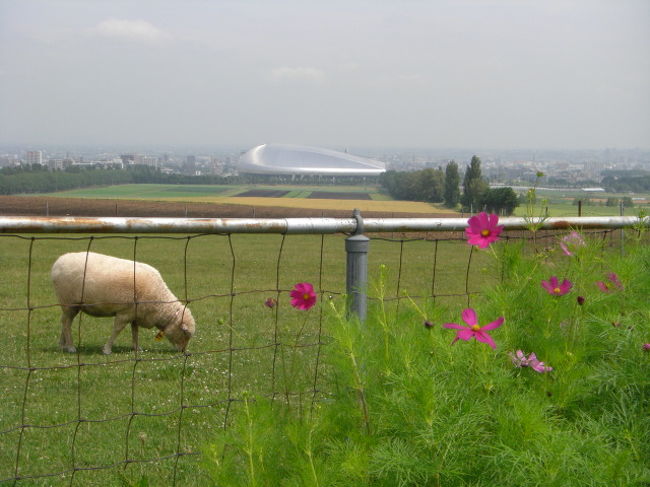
(181, 329)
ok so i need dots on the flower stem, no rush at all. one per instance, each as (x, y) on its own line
(249, 443)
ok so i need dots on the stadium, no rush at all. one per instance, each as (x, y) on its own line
(306, 162)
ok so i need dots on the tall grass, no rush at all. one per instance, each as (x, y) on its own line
(405, 406)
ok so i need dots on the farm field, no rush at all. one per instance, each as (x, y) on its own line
(295, 197)
(338, 198)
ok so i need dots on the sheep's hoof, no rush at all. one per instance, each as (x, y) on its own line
(107, 350)
(70, 349)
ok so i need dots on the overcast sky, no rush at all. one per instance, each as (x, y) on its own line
(351, 73)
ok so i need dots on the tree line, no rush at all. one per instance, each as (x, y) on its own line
(444, 186)
(635, 181)
(37, 178)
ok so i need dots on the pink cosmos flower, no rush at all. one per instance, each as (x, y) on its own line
(519, 359)
(570, 242)
(483, 229)
(607, 287)
(303, 296)
(536, 365)
(554, 287)
(270, 302)
(474, 330)
(646, 347)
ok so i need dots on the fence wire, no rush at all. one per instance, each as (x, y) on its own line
(66, 417)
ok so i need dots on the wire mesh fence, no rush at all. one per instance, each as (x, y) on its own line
(86, 418)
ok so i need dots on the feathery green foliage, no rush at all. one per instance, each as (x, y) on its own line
(405, 407)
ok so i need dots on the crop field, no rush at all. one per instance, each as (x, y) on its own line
(341, 198)
(152, 412)
(369, 198)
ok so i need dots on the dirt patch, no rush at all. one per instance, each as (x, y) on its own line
(327, 195)
(54, 206)
(262, 193)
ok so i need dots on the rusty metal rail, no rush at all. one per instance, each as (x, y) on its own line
(70, 224)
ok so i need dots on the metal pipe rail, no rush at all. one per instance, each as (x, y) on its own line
(356, 245)
(77, 224)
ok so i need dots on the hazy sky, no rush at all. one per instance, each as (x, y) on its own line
(375, 73)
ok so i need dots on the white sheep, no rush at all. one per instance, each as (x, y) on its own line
(101, 285)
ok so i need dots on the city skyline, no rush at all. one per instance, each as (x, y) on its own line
(492, 74)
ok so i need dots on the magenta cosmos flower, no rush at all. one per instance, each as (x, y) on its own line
(303, 296)
(474, 329)
(483, 229)
(554, 287)
(614, 281)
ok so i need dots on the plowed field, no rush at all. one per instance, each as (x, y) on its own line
(42, 206)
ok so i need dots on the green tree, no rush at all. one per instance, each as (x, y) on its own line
(500, 200)
(474, 186)
(452, 182)
(431, 185)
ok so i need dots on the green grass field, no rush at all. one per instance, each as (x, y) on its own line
(560, 203)
(88, 411)
(167, 191)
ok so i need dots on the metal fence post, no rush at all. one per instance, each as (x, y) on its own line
(621, 212)
(356, 278)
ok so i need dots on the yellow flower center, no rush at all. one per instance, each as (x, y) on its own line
(306, 296)
(485, 233)
(476, 327)
(557, 290)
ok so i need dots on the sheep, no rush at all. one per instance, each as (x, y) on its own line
(101, 285)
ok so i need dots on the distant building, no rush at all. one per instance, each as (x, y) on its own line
(34, 157)
(189, 166)
(55, 164)
(146, 160)
(593, 190)
(294, 160)
(128, 159)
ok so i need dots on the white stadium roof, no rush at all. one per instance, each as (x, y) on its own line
(282, 159)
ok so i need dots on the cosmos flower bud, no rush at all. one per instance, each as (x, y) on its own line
(581, 300)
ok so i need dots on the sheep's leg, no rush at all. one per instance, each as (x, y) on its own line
(134, 336)
(118, 325)
(67, 315)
